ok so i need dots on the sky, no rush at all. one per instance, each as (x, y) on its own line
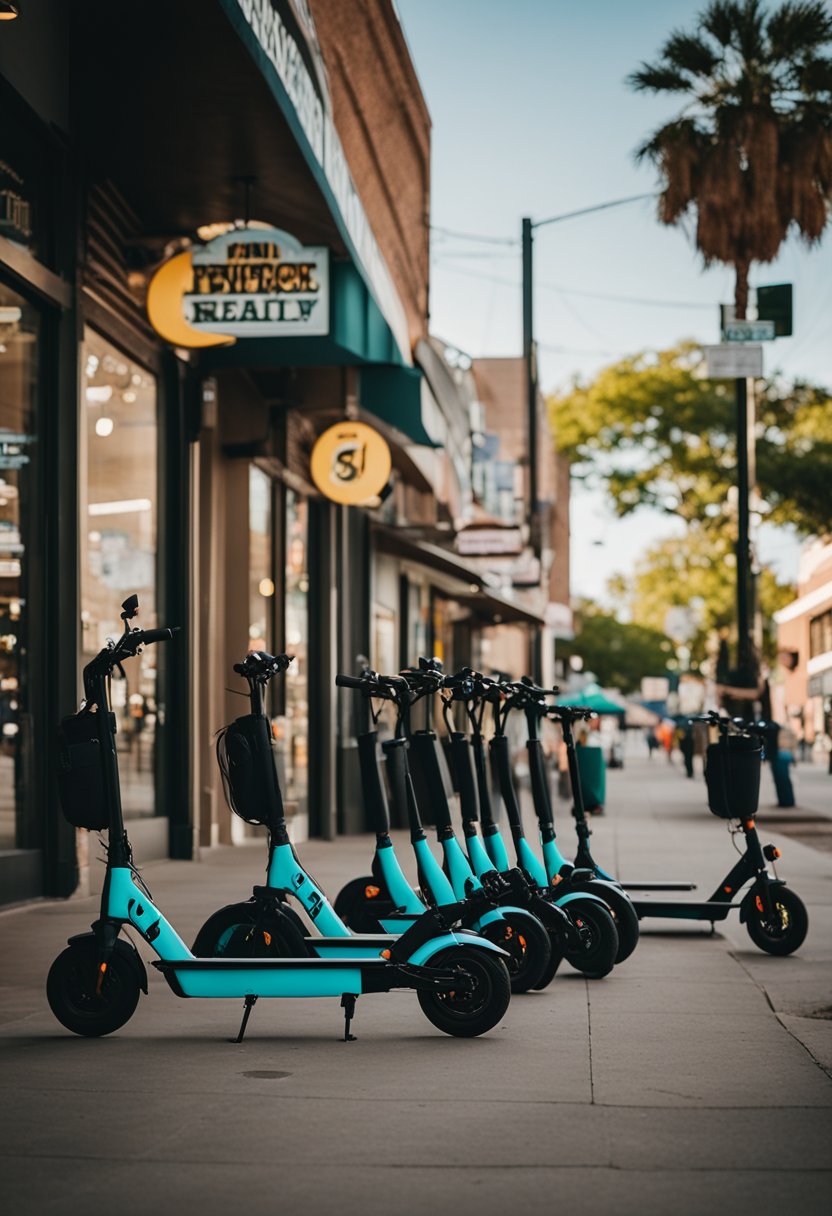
(532, 117)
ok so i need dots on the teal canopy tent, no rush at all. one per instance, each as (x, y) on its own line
(593, 697)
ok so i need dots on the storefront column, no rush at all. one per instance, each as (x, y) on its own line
(323, 659)
(354, 640)
(173, 775)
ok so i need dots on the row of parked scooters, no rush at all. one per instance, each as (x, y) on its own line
(476, 929)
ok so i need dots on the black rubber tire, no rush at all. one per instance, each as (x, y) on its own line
(626, 920)
(527, 944)
(356, 910)
(467, 1015)
(596, 959)
(70, 990)
(555, 960)
(789, 931)
(236, 932)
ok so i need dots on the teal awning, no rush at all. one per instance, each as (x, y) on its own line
(394, 395)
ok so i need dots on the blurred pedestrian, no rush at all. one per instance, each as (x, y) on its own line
(652, 741)
(686, 747)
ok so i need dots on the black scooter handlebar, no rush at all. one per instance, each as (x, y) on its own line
(350, 682)
(148, 636)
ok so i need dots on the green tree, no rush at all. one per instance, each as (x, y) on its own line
(618, 653)
(751, 150)
(696, 572)
(655, 432)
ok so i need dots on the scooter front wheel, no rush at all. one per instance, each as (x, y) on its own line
(527, 944)
(550, 970)
(784, 931)
(362, 903)
(242, 931)
(596, 954)
(80, 1002)
(479, 1004)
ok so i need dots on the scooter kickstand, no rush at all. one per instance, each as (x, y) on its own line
(248, 1005)
(348, 1000)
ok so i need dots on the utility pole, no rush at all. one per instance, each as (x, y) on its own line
(530, 360)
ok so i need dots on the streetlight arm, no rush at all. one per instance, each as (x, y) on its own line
(571, 215)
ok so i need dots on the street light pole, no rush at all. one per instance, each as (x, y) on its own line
(530, 361)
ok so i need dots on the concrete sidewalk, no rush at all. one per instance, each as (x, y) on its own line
(695, 1078)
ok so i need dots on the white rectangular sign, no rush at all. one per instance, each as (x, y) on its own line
(733, 361)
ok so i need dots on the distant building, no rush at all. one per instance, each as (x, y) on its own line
(804, 639)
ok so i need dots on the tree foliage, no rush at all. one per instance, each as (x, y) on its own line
(618, 653)
(654, 431)
(697, 573)
(751, 150)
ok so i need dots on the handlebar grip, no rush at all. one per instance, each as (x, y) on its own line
(149, 636)
(350, 682)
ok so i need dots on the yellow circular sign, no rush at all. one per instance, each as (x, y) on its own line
(350, 463)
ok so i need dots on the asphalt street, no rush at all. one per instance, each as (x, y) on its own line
(695, 1078)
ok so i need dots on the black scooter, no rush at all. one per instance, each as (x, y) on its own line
(774, 915)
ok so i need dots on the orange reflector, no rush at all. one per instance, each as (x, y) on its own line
(102, 967)
(522, 941)
(776, 853)
(759, 904)
(371, 892)
(556, 880)
(267, 938)
(385, 954)
(749, 825)
(727, 890)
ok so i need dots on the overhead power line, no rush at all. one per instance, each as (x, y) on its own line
(578, 291)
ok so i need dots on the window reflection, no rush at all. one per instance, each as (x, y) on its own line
(118, 544)
(18, 395)
(292, 727)
(261, 586)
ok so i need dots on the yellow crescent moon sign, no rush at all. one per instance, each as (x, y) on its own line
(164, 306)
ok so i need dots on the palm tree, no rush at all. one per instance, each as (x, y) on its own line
(751, 151)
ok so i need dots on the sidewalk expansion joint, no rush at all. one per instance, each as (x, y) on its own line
(779, 1016)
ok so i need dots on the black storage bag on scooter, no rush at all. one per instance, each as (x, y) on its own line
(732, 775)
(245, 752)
(80, 775)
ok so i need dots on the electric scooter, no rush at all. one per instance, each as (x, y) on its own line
(584, 875)
(93, 986)
(774, 915)
(484, 909)
(266, 925)
(600, 941)
(587, 937)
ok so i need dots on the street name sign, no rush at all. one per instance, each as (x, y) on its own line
(748, 331)
(734, 360)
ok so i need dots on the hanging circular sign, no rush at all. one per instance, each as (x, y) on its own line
(350, 463)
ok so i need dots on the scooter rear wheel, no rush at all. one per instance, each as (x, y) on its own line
(595, 957)
(626, 921)
(477, 1009)
(527, 944)
(782, 933)
(71, 991)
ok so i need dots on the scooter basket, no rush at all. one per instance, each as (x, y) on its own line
(246, 757)
(80, 773)
(732, 775)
